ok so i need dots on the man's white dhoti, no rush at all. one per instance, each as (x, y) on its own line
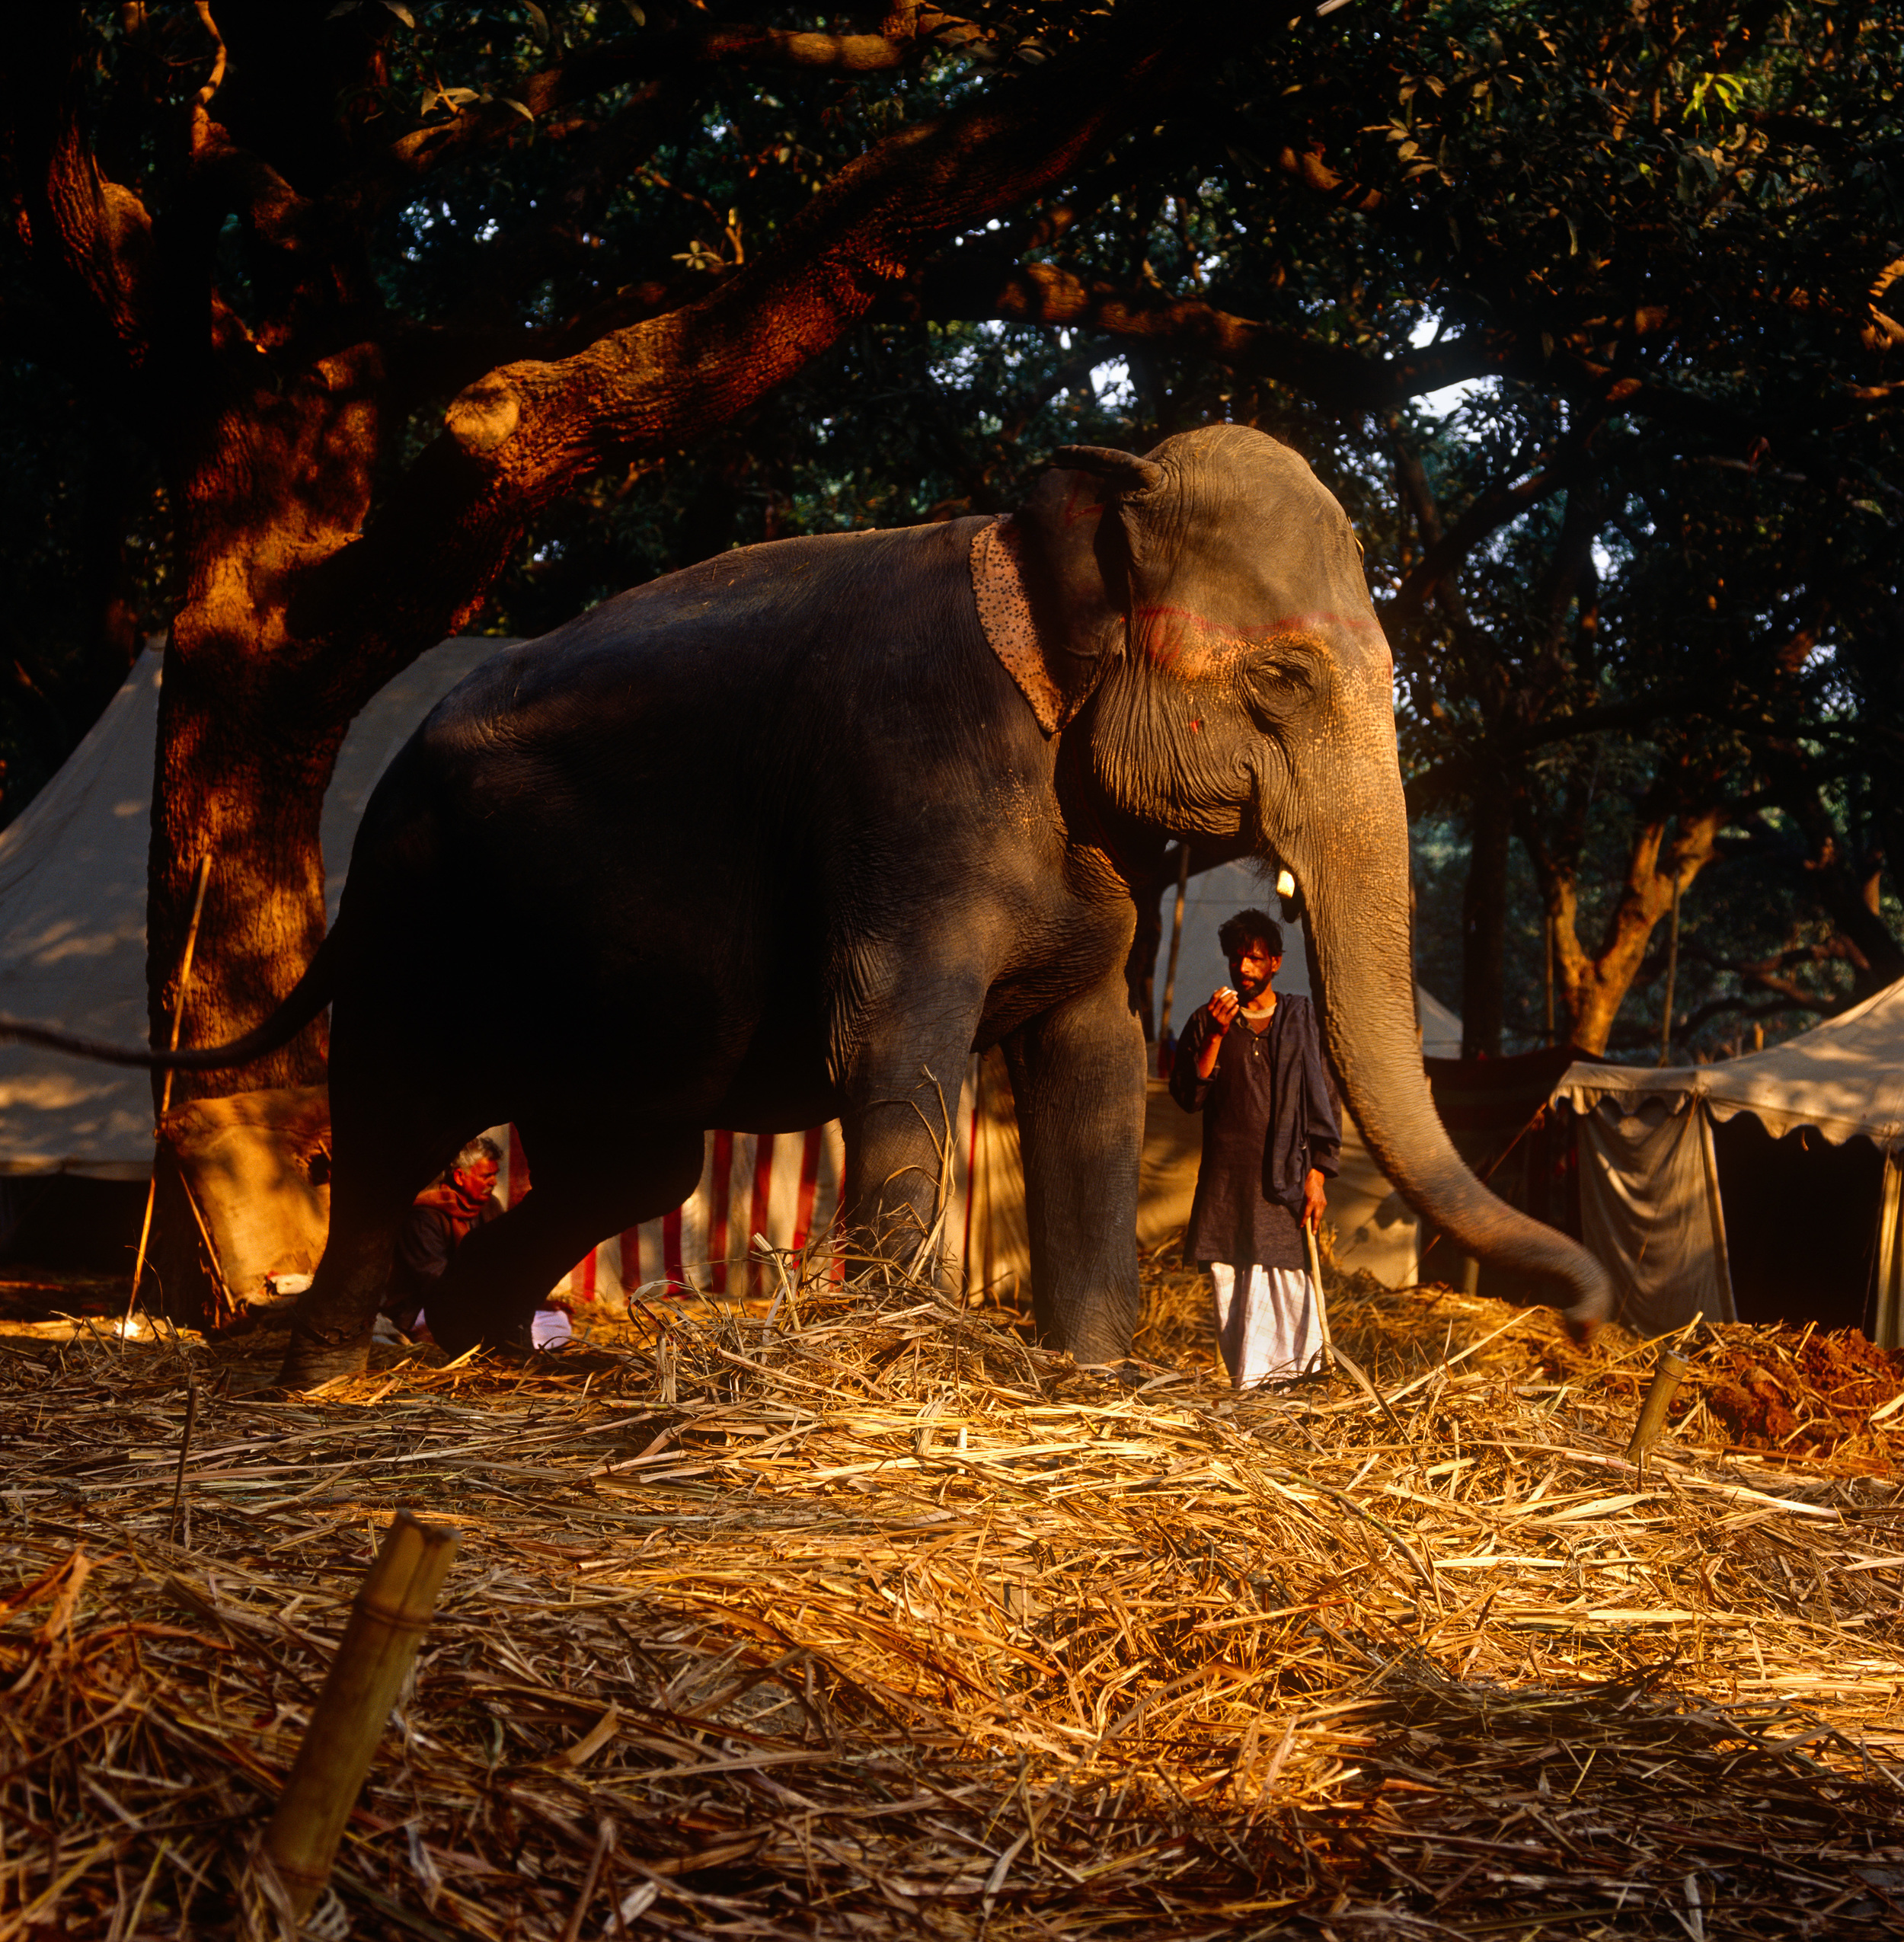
(1271, 1329)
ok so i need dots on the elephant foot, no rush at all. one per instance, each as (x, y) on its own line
(310, 1363)
(1102, 1350)
(456, 1336)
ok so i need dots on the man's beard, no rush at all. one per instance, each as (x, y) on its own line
(1249, 990)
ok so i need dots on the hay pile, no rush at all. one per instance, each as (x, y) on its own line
(880, 1623)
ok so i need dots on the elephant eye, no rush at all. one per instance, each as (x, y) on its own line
(1282, 679)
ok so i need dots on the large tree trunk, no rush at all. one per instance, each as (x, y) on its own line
(247, 743)
(1596, 985)
(248, 737)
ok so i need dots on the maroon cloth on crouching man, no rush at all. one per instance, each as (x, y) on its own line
(434, 1229)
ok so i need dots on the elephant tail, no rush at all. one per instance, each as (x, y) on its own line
(309, 997)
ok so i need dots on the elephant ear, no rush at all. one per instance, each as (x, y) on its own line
(1004, 612)
(1050, 580)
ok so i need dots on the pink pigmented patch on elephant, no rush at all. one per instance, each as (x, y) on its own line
(1004, 612)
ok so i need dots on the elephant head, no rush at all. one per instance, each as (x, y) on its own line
(1200, 618)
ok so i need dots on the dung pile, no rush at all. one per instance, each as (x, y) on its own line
(1816, 1396)
(877, 1622)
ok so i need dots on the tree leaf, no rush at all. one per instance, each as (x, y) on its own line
(402, 12)
(635, 13)
(508, 101)
(538, 22)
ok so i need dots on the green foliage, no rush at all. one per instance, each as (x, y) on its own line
(1655, 235)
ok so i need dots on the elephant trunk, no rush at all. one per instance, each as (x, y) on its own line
(1357, 891)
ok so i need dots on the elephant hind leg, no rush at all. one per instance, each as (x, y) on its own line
(386, 1150)
(579, 1195)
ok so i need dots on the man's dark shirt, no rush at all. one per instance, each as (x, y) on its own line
(433, 1230)
(1269, 1116)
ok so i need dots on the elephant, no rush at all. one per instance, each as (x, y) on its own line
(787, 836)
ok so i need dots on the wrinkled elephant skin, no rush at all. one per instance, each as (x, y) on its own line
(788, 835)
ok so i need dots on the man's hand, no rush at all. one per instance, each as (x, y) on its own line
(1315, 1202)
(1224, 1006)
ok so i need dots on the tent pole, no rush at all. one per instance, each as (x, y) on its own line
(165, 1089)
(1672, 966)
(1176, 942)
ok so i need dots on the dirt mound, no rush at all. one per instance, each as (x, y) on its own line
(1806, 1394)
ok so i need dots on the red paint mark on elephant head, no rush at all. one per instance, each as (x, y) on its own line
(1181, 641)
(1074, 510)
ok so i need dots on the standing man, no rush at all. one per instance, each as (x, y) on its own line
(1250, 1063)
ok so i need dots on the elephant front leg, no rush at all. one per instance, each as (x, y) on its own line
(1077, 1074)
(899, 1120)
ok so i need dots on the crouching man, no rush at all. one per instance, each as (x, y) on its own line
(444, 1215)
(1250, 1061)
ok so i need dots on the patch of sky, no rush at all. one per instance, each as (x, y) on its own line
(1112, 383)
(1444, 403)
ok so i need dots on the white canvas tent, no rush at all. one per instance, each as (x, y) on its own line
(1650, 1201)
(73, 914)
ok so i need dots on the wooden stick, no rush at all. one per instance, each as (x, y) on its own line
(184, 1450)
(1333, 1357)
(1321, 1306)
(165, 1089)
(387, 1620)
(221, 1288)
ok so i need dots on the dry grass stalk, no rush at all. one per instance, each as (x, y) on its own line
(883, 1624)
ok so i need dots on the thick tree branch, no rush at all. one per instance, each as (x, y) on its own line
(653, 59)
(525, 433)
(1484, 519)
(971, 285)
(88, 240)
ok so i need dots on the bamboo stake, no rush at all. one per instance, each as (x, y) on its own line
(1668, 1373)
(165, 1088)
(387, 1620)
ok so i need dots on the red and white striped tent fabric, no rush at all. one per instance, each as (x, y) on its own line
(785, 1186)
